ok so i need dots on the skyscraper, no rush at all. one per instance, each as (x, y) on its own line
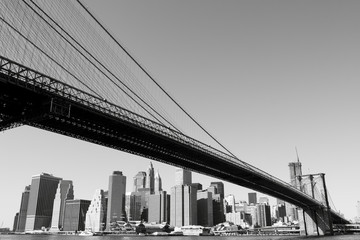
(75, 214)
(158, 183)
(41, 201)
(159, 207)
(65, 191)
(252, 198)
(150, 178)
(183, 205)
(230, 203)
(263, 215)
(133, 206)
(295, 172)
(116, 199)
(139, 181)
(217, 190)
(96, 213)
(182, 177)
(205, 208)
(23, 210)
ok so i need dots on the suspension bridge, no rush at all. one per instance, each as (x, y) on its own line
(61, 70)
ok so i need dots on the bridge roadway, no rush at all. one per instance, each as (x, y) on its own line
(31, 98)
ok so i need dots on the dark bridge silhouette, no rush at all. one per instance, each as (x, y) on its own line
(27, 96)
(31, 98)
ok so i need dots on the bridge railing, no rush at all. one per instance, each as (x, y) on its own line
(31, 79)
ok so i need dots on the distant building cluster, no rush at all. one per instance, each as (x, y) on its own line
(49, 204)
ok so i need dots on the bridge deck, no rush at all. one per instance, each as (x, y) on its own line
(28, 97)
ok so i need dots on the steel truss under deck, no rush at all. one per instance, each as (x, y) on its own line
(31, 98)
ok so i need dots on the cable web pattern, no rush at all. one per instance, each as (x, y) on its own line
(60, 39)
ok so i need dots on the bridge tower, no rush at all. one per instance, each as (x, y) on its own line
(315, 220)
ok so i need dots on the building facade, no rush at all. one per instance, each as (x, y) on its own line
(75, 214)
(41, 201)
(65, 191)
(182, 177)
(116, 199)
(139, 181)
(205, 208)
(20, 226)
(96, 213)
(252, 198)
(150, 179)
(159, 208)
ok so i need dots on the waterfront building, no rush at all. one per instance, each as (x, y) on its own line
(263, 215)
(217, 190)
(205, 208)
(41, 201)
(96, 213)
(295, 173)
(75, 214)
(281, 209)
(229, 203)
(116, 199)
(159, 207)
(158, 183)
(139, 181)
(65, 191)
(252, 198)
(183, 205)
(182, 177)
(150, 179)
(20, 226)
(252, 211)
(16, 219)
(264, 200)
(133, 206)
(238, 218)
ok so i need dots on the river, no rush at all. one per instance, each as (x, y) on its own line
(113, 237)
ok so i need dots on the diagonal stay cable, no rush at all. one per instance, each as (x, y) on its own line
(98, 63)
(156, 83)
(47, 55)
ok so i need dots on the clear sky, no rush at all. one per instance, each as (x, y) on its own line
(261, 76)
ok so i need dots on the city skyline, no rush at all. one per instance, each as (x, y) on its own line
(285, 80)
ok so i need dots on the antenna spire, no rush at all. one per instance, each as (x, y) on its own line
(297, 155)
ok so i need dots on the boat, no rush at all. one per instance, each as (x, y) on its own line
(86, 233)
(160, 234)
(195, 230)
(176, 233)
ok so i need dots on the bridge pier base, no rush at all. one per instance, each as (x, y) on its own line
(315, 222)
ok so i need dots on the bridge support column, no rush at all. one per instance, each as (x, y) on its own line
(315, 222)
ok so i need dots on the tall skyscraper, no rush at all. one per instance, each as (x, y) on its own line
(65, 191)
(295, 172)
(182, 177)
(23, 210)
(150, 178)
(252, 198)
(264, 200)
(133, 206)
(217, 190)
(116, 199)
(159, 204)
(230, 203)
(139, 181)
(41, 201)
(263, 215)
(183, 205)
(75, 214)
(205, 208)
(96, 213)
(16, 220)
(158, 183)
